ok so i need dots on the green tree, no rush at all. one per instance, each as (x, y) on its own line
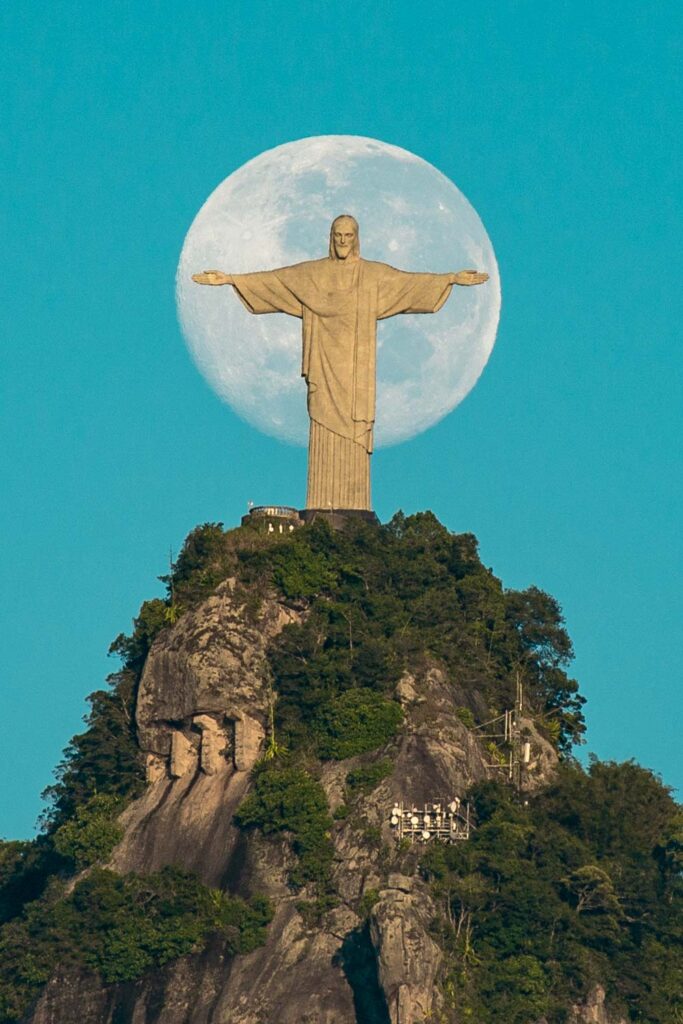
(105, 758)
(355, 722)
(93, 832)
(591, 890)
(544, 901)
(288, 799)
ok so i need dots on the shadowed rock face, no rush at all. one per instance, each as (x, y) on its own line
(202, 713)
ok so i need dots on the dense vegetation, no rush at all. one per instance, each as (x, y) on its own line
(120, 927)
(580, 885)
(287, 799)
(384, 600)
(92, 833)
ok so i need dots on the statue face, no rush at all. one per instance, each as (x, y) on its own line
(343, 238)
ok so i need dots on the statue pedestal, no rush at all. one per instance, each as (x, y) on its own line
(284, 519)
(338, 518)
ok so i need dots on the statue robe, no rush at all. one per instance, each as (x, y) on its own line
(340, 302)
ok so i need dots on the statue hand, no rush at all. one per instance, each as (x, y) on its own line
(214, 277)
(467, 277)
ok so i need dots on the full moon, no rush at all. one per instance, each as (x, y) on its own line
(276, 210)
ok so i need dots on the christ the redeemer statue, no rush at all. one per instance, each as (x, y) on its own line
(340, 299)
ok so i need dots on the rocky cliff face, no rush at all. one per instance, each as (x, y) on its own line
(202, 713)
(593, 1010)
(202, 716)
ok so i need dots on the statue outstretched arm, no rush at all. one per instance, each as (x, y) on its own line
(213, 277)
(468, 277)
(264, 291)
(403, 291)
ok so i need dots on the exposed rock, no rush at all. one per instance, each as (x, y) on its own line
(437, 756)
(408, 958)
(434, 757)
(186, 821)
(400, 882)
(156, 767)
(542, 759)
(249, 737)
(297, 978)
(209, 672)
(204, 694)
(213, 743)
(406, 694)
(593, 1010)
(183, 758)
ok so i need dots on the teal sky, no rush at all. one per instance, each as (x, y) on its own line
(561, 124)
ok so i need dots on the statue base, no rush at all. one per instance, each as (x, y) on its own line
(285, 519)
(338, 518)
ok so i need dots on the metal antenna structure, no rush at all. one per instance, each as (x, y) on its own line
(506, 729)
(438, 821)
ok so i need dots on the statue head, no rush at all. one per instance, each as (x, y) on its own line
(344, 239)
